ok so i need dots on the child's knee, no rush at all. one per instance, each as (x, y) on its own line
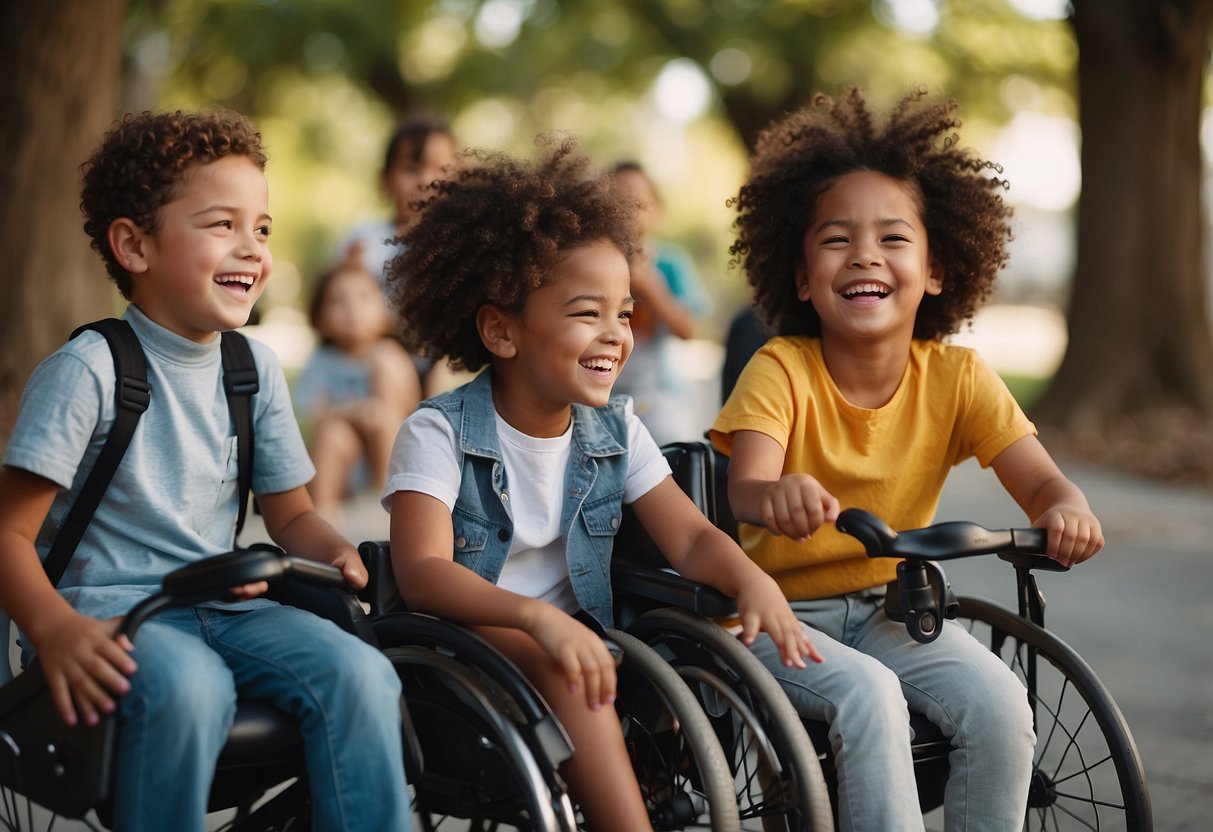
(367, 675)
(1005, 718)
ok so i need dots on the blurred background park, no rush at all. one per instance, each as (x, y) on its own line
(1095, 108)
(1098, 111)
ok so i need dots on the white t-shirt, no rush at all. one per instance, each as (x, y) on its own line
(425, 459)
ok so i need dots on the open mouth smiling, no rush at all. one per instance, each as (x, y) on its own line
(242, 282)
(599, 366)
(865, 289)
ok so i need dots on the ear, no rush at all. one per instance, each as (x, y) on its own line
(934, 279)
(128, 242)
(496, 328)
(802, 281)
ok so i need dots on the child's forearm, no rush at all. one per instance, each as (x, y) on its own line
(746, 500)
(292, 523)
(25, 592)
(1057, 492)
(713, 558)
(441, 587)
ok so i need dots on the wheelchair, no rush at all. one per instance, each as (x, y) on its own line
(1087, 773)
(778, 781)
(49, 770)
(477, 719)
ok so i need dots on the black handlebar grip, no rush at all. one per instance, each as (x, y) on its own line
(313, 572)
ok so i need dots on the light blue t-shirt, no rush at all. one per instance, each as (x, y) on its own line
(330, 376)
(173, 500)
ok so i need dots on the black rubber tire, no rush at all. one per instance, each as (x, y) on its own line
(777, 775)
(673, 746)
(1087, 773)
(479, 766)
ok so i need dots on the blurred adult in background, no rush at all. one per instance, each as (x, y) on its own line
(671, 299)
(420, 151)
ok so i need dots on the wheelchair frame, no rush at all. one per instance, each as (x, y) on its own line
(1087, 773)
(48, 769)
(680, 766)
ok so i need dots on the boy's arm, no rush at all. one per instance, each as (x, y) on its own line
(649, 286)
(1050, 500)
(703, 553)
(292, 523)
(80, 658)
(430, 581)
(793, 505)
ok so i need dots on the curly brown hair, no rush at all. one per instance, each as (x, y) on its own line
(799, 157)
(140, 162)
(490, 235)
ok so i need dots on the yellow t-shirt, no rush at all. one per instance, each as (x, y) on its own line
(891, 461)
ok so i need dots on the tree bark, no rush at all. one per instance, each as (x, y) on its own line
(59, 61)
(1140, 339)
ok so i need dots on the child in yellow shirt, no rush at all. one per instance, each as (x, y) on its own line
(866, 244)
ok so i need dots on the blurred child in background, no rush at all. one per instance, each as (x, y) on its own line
(356, 387)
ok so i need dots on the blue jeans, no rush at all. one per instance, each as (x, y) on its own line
(192, 664)
(872, 675)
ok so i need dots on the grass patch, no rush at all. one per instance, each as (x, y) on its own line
(1027, 390)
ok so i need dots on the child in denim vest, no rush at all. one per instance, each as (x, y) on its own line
(506, 492)
(866, 244)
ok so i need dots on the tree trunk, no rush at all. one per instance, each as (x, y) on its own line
(59, 61)
(1140, 339)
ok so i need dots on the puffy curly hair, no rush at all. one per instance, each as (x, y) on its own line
(799, 157)
(490, 235)
(140, 162)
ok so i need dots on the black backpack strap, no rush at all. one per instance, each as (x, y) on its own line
(131, 396)
(240, 382)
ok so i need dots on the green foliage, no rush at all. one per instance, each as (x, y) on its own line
(1027, 390)
(325, 80)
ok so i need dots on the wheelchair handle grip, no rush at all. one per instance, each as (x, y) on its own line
(216, 575)
(211, 579)
(315, 573)
(941, 541)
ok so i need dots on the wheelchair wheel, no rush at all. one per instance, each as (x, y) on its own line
(681, 768)
(478, 765)
(777, 777)
(1087, 773)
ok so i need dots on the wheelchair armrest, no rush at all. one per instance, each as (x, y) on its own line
(671, 589)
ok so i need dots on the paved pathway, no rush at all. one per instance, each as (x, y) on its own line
(1140, 613)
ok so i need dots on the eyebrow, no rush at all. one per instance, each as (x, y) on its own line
(593, 299)
(850, 224)
(227, 209)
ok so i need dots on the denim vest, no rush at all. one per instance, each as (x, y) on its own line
(593, 506)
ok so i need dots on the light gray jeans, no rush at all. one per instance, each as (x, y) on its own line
(872, 671)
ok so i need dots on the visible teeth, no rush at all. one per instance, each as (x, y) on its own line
(598, 364)
(865, 289)
(245, 279)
